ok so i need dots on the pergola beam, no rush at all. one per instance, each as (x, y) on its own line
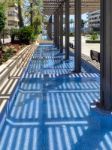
(50, 6)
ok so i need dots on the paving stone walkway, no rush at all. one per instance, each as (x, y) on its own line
(50, 107)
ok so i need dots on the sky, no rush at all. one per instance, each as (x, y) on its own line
(84, 16)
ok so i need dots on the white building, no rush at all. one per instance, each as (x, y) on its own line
(94, 19)
(12, 17)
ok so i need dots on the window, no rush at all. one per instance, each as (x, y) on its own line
(12, 13)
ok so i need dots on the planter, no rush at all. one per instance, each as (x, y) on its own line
(91, 41)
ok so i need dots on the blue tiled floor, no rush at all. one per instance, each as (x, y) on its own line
(50, 108)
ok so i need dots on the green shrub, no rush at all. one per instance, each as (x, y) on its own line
(93, 36)
(71, 34)
(26, 34)
(7, 54)
(14, 35)
(10, 51)
(23, 35)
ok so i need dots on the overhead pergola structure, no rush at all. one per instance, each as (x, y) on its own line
(59, 7)
(51, 6)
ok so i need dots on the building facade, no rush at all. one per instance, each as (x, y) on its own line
(12, 17)
(94, 20)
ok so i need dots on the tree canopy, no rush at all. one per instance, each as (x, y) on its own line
(30, 10)
(2, 20)
(2, 17)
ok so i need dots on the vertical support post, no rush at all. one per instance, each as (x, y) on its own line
(58, 30)
(77, 36)
(67, 29)
(106, 54)
(55, 32)
(49, 30)
(50, 23)
(61, 29)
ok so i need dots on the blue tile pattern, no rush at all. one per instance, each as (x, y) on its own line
(50, 107)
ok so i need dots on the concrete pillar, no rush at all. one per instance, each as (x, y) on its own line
(67, 29)
(77, 36)
(61, 29)
(106, 54)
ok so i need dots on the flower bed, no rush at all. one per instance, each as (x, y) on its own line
(8, 51)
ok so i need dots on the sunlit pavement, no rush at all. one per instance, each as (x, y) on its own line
(50, 107)
(85, 47)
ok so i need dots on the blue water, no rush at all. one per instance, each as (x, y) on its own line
(50, 107)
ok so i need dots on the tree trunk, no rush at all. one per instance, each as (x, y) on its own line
(31, 12)
(21, 24)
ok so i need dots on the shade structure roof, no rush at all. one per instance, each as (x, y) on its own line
(51, 6)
